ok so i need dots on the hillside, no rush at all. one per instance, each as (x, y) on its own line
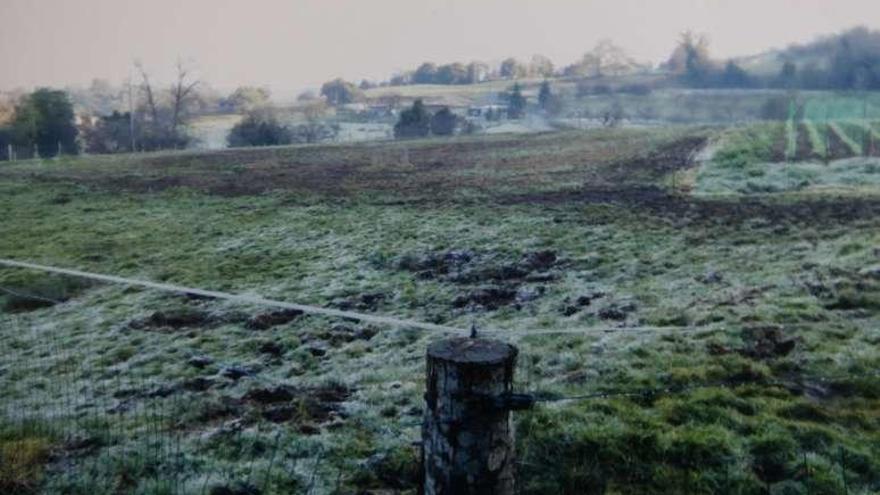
(816, 54)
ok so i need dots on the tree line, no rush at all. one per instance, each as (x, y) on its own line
(852, 62)
(140, 115)
(44, 123)
(417, 121)
(604, 58)
(41, 124)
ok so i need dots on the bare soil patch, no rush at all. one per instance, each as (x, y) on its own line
(432, 169)
(836, 147)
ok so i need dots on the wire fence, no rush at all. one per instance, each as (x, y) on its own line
(102, 427)
(654, 392)
(635, 460)
(112, 423)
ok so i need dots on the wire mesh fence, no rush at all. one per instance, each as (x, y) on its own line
(72, 421)
(114, 423)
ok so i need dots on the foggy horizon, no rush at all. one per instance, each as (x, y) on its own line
(303, 43)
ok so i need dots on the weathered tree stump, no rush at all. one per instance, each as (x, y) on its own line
(467, 438)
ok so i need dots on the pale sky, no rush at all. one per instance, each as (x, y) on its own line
(293, 44)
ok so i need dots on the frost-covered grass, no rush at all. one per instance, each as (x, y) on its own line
(794, 264)
(746, 163)
(837, 128)
(817, 140)
(790, 139)
(863, 135)
(744, 146)
(852, 174)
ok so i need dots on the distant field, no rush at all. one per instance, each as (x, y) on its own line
(801, 156)
(209, 132)
(759, 308)
(657, 107)
(454, 95)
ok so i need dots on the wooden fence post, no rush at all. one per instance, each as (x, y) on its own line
(467, 437)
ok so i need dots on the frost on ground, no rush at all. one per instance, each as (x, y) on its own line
(769, 302)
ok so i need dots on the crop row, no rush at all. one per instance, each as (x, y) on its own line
(813, 140)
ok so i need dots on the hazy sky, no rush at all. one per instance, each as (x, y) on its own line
(293, 44)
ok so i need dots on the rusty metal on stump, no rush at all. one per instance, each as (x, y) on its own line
(467, 437)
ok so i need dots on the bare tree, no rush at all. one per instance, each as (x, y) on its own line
(181, 92)
(165, 110)
(314, 130)
(147, 88)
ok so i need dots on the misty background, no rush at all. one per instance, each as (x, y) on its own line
(103, 77)
(293, 45)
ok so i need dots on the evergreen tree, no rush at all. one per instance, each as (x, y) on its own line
(414, 122)
(443, 122)
(788, 75)
(516, 103)
(734, 76)
(258, 129)
(545, 95)
(45, 119)
(111, 134)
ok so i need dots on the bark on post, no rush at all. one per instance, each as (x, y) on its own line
(467, 438)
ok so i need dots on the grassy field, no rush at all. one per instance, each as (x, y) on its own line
(209, 131)
(758, 311)
(652, 99)
(804, 156)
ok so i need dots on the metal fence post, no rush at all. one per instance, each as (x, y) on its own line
(467, 436)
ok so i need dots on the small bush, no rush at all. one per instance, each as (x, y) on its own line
(443, 122)
(259, 130)
(414, 122)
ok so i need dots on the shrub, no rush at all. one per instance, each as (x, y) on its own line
(414, 122)
(443, 122)
(112, 134)
(45, 119)
(259, 130)
(549, 101)
(516, 103)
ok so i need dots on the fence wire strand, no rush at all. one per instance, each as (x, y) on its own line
(240, 298)
(544, 396)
